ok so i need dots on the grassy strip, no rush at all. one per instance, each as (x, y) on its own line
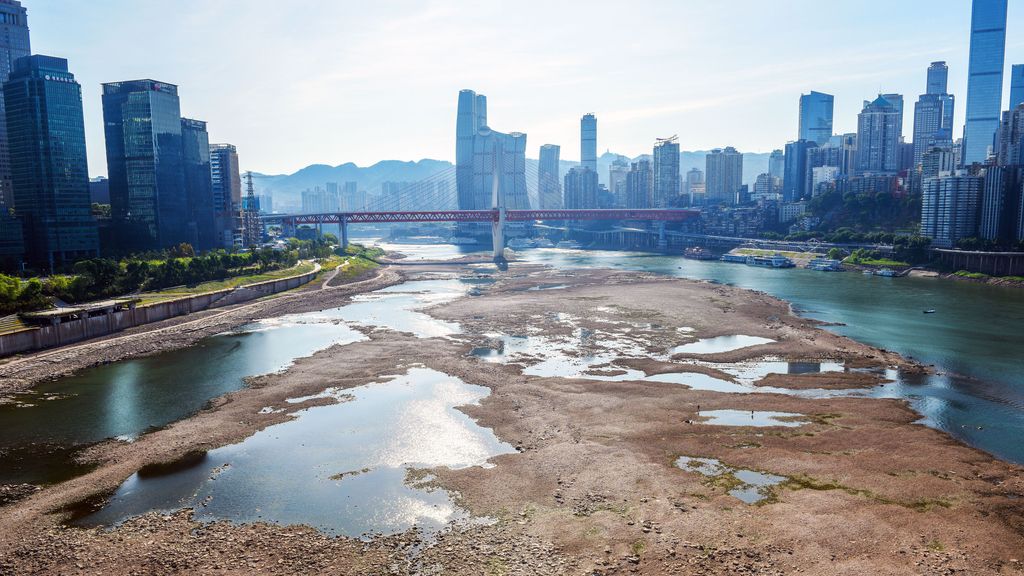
(877, 262)
(233, 282)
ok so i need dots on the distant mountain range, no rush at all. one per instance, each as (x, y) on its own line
(286, 189)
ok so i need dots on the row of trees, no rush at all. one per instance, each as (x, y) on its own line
(103, 277)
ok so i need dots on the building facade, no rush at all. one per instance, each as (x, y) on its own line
(666, 173)
(505, 155)
(949, 208)
(878, 137)
(777, 164)
(1016, 85)
(588, 142)
(226, 184)
(581, 188)
(724, 174)
(796, 183)
(1010, 137)
(640, 185)
(816, 117)
(617, 181)
(49, 169)
(933, 113)
(14, 44)
(1000, 205)
(471, 117)
(549, 185)
(984, 78)
(195, 156)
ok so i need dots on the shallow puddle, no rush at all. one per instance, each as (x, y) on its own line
(350, 468)
(754, 486)
(754, 418)
(720, 344)
(399, 307)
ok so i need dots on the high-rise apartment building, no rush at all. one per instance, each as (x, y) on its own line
(588, 142)
(549, 186)
(1010, 137)
(14, 44)
(984, 78)
(878, 137)
(949, 208)
(506, 154)
(777, 164)
(195, 145)
(640, 185)
(581, 188)
(49, 170)
(933, 113)
(226, 181)
(796, 183)
(666, 172)
(1000, 204)
(1016, 85)
(816, 117)
(148, 201)
(724, 174)
(472, 116)
(617, 181)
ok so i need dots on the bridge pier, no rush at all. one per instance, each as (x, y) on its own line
(343, 225)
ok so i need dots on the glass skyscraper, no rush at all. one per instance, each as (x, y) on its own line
(984, 78)
(816, 117)
(472, 115)
(796, 182)
(1016, 85)
(195, 151)
(50, 176)
(933, 113)
(549, 186)
(588, 142)
(148, 200)
(14, 44)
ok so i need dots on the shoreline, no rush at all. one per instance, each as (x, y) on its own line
(553, 423)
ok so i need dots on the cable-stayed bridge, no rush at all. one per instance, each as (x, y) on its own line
(435, 199)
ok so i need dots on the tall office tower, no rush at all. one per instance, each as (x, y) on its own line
(1016, 85)
(195, 144)
(878, 137)
(148, 203)
(50, 176)
(949, 208)
(777, 164)
(816, 117)
(588, 142)
(666, 172)
(549, 186)
(897, 101)
(226, 182)
(14, 44)
(640, 185)
(796, 183)
(999, 204)
(724, 173)
(933, 112)
(984, 78)
(472, 116)
(1010, 137)
(506, 153)
(617, 184)
(580, 188)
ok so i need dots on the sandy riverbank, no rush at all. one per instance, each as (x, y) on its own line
(593, 487)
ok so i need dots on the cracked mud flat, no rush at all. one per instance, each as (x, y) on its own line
(593, 486)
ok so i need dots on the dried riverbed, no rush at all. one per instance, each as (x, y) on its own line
(594, 483)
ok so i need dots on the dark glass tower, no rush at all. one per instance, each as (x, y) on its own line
(148, 200)
(14, 44)
(984, 78)
(46, 138)
(195, 153)
(816, 117)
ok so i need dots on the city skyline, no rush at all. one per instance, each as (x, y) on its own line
(399, 64)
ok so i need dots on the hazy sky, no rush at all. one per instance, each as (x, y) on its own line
(298, 82)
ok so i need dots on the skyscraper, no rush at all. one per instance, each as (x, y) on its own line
(1010, 137)
(724, 173)
(695, 185)
(777, 164)
(640, 185)
(472, 116)
(226, 181)
(148, 201)
(666, 172)
(588, 142)
(46, 137)
(1016, 85)
(878, 137)
(506, 153)
(549, 186)
(580, 188)
(617, 180)
(796, 183)
(999, 204)
(816, 117)
(195, 155)
(949, 208)
(933, 113)
(984, 78)
(14, 44)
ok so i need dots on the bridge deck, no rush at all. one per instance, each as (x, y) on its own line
(661, 215)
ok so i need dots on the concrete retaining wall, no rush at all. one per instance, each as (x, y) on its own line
(85, 328)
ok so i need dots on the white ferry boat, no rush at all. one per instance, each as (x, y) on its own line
(825, 265)
(774, 261)
(734, 258)
(521, 243)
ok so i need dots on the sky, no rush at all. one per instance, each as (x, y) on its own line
(298, 82)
